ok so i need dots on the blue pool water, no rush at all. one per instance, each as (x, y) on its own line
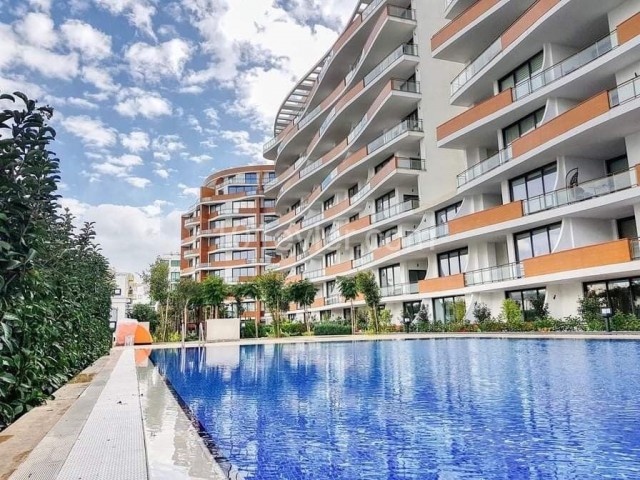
(421, 409)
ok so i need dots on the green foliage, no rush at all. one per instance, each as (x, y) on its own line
(625, 322)
(385, 321)
(481, 312)
(349, 290)
(214, 291)
(331, 328)
(273, 291)
(368, 286)
(248, 330)
(511, 312)
(589, 308)
(145, 313)
(540, 308)
(157, 278)
(293, 329)
(303, 292)
(459, 311)
(55, 286)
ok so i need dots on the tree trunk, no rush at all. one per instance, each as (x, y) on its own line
(215, 311)
(353, 319)
(306, 319)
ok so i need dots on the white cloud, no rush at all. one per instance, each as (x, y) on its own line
(135, 101)
(138, 182)
(37, 29)
(139, 13)
(199, 158)
(243, 145)
(90, 42)
(153, 62)
(165, 145)
(189, 191)
(42, 5)
(135, 141)
(99, 78)
(18, 84)
(194, 124)
(212, 116)
(127, 160)
(193, 89)
(161, 172)
(57, 102)
(150, 231)
(91, 131)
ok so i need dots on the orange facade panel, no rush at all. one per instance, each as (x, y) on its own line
(291, 181)
(388, 249)
(316, 247)
(484, 218)
(338, 268)
(463, 20)
(285, 262)
(384, 172)
(331, 154)
(629, 29)
(441, 284)
(347, 33)
(318, 302)
(608, 253)
(356, 225)
(353, 91)
(229, 263)
(336, 209)
(526, 21)
(475, 113)
(293, 279)
(578, 115)
(352, 159)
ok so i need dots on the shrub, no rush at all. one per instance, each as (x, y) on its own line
(625, 322)
(540, 308)
(459, 311)
(511, 312)
(589, 309)
(331, 328)
(293, 329)
(545, 324)
(481, 312)
(385, 321)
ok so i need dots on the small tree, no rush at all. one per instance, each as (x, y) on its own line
(481, 312)
(368, 287)
(240, 292)
(145, 313)
(157, 279)
(274, 292)
(459, 310)
(188, 293)
(349, 290)
(423, 318)
(540, 308)
(303, 292)
(214, 292)
(511, 311)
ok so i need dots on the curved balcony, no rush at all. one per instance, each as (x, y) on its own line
(390, 28)
(546, 21)
(607, 116)
(587, 71)
(395, 101)
(463, 37)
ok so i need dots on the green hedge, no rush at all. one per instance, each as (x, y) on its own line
(55, 286)
(328, 328)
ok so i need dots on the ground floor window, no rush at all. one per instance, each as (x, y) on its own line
(325, 315)
(527, 300)
(411, 309)
(621, 295)
(444, 308)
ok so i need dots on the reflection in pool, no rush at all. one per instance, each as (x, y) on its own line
(421, 409)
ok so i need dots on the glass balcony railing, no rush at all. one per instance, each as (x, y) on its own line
(363, 260)
(333, 236)
(409, 125)
(327, 121)
(624, 93)
(357, 129)
(401, 12)
(500, 273)
(635, 249)
(579, 193)
(399, 289)
(394, 210)
(361, 193)
(269, 145)
(555, 72)
(313, 274)
(312, 220)
(411, 163)
(309, 117)
(370, 8)
(332, 300)
(387, 62)
(474, 67)
(312, 167)
(325, 183)
(425, 235)
(480, 168)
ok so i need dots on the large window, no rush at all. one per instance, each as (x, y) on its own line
(385, 201)
(387, 236)
(522, 127)
(251, 178)
(300, 269)
(444, 308)
(621, 295)
(330, 259)
(330, 288)
(243, 272)
(243, 221)
(357, 251)
(627, 227)
(242, 189)
(244, 204)
(617, 165)
(244, 237)
(353, 190)
(268, 203)
(381, 165)
(244, 254)
(389, 276)
(217, 257)
(536, 242)
(523, 72)
(175, 263)
(534, 183)
(328, 203)
(175, 276)
(524, 298)
(411, 309)
(216, 224)
(453, 262)
(447, 213)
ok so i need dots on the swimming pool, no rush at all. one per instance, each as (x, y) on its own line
(419, 409)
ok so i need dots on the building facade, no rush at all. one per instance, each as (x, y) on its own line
(173, 260)
(223, 232)
(467, 151)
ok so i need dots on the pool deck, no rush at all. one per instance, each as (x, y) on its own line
(110, 427)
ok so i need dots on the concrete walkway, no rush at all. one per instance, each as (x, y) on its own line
(100, 436)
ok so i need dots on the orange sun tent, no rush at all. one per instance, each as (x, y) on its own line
(131, 330)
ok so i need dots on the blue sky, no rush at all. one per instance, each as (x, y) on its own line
(151, 96)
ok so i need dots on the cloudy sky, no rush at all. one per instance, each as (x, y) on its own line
(151, 96)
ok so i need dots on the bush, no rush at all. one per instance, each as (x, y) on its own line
(589, 309)
(385, 322)
(625, 322)
(511, 312)
(293, 329)
(540, 308)
(248, 330)
(459, 311)
(481, 312)
(331, 328)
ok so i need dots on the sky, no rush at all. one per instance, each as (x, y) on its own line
(152, 96)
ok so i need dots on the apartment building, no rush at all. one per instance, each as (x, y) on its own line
(173, 261)
(466, 150)
(222, 234)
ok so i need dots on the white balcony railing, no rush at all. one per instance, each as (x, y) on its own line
(500, 273)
